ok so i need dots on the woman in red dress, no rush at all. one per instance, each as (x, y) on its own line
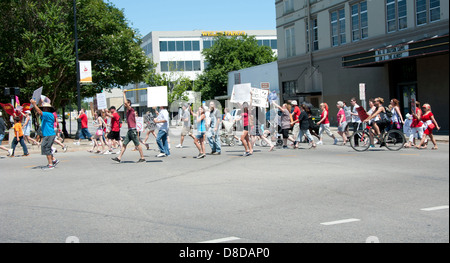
(430, 123)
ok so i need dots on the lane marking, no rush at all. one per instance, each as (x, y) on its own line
(409, 154)
(435, 208)
(345, 221)
(221, 240)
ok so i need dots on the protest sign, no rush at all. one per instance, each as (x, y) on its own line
(101, 101)
(37, 95)
(241, 93)
(157, 96)
(140, 124)
(8, 108)
(259, 98)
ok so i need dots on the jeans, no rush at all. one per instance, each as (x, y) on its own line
(85, 134)
(303, 133)
(214, 140)
(22, 143)
(161, 140)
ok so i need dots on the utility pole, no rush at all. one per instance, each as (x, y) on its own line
(78, 67)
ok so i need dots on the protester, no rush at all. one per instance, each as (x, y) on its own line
(258, 120)
(416, 126)
(150, 126)
(325, 124)
(213, 132)
(245, 138)
(199, 139)
(132, 132)
(382, 122)
(162, 124)
(2, 133)
(430, 124)
(114, 134)
(286, 122)
(186, 120)
(348, 118)
(356, 121)
(56, 127)
(100, 124)
(84, 133)
(48, 132)
(397, 118)
(27, 128)
(18, 137)
(295, 115)
(304, 127)
(342, 121)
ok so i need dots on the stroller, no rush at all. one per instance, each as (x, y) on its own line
(226, 134)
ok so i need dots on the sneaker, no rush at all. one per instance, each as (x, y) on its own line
(141, 161)
(55, 162)
(64, 148)
(161, 155)
(179, 146)
(48, 167)
(54, 150)
(212, 153)
(200, 156)
(25, 155)
(319, 143)
(215, 153)
(10, 153)
(285, 147)
(116, 159)
(76, 143)
(247, 154)
(335, 141)
(107, 153)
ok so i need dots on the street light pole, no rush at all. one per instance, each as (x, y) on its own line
(77, 136)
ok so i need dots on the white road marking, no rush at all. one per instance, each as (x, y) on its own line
(227, 239)
(435, 208)
(351, 220)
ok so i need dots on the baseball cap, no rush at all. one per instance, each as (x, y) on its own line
(294, 102)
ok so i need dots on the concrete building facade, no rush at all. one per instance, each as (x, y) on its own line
(398, 48)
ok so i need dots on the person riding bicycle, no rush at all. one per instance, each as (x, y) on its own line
(382, 122)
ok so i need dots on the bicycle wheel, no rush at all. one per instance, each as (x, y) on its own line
(264, 143)
(394, 140)
(360, 141)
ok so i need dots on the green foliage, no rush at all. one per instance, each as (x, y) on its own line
(37, 47)
(226, 55)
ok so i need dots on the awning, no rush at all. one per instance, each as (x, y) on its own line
(412, 49)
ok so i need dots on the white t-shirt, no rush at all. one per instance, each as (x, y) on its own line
(163, 115)
(355, 118)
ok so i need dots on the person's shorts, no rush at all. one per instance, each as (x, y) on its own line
(245, 128)
(185, 131)
(46, 145)
(114, 135)
(382, 125)
(132, 135)
(200, 135)
(2, 136)
(285, 133)
(342, 127)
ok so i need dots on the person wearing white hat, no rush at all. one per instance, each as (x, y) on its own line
(27, 128)
(2, 133)
(48, 132)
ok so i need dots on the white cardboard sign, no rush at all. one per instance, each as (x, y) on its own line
(259, 98)
(101, 101)
(157, 96)
(140, 124)
(241, 93)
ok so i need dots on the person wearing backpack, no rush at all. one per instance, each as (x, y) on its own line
(383, 121)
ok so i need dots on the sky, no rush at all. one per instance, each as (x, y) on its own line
(206, 15)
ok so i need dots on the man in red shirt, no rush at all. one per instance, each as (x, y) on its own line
(114, 134)
(296, 129)
(84, 134)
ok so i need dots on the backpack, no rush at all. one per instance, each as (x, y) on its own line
(388, 112)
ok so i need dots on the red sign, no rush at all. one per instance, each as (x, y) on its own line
(8, 108)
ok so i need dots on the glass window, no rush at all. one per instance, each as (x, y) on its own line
(164, 66)
(163, 46)
(180, 65)
(288, 6)
(188, 45)
(197, 66)
(338, 28)
(396, 15)
(435, 10)
(180, 45)
(260, 42)
(172, 66)
(290, 42)
(206, 44)
(206, 65)
(360, 21)
(171, 46)
(274, 44)
(315, 35)
(195, 45)
(188, 66)
(266, 42)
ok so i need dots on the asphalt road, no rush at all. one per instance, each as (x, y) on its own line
(328, 195)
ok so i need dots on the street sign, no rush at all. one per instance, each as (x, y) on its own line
(362, 91)
(265, 85)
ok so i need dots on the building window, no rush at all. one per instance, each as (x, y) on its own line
(163, 46)
(195, 45)
(174, 66)
(315, 34)
(164, 66)
(187, 45)
(237, 78)
(171, 46)
(272, 43)
(396, 15)
(289, 88)
(338, 28)
(290, 42)
(425, 7)
(360, 24)
(288, 6)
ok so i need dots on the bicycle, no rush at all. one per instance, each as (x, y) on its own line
(393, 139)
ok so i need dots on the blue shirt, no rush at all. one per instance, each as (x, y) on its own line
(48, 121)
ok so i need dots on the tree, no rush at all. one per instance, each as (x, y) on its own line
(226, 55)
(37, 47)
